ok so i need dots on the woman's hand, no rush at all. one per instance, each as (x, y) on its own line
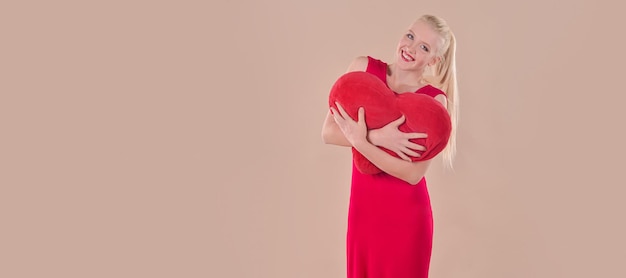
(391, 138)
(354, 131)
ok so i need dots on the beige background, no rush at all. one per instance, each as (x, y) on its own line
(182, 139)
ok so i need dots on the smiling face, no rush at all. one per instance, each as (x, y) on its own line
(418, 47)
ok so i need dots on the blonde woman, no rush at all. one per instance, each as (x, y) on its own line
(390, 226)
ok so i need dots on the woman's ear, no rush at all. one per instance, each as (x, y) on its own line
(434, 61)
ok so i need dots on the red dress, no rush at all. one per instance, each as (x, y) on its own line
(390, 225)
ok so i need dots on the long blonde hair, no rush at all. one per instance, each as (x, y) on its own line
(443, 76)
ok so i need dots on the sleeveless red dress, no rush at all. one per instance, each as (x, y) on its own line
(390, 225)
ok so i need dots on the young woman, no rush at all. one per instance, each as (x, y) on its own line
(390, 226)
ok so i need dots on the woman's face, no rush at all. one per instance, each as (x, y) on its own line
(418, 47)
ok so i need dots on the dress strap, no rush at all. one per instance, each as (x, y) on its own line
(377, 68)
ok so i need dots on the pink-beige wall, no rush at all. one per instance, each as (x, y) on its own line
(182, 139)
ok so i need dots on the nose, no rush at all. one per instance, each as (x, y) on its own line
(411, 46)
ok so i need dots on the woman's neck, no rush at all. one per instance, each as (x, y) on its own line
(402, 79)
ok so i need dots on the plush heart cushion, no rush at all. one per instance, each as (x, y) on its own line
(422, 113)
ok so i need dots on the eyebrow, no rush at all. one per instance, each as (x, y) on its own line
(422, 41)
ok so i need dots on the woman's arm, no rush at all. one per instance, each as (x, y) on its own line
(411, 172)
(356, 135)
(331, 134)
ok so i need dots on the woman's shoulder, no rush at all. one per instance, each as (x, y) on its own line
(435, 93)
(362, 63)
(432, 90)
(359, 63)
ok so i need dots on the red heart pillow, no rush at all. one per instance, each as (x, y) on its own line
(422, 113)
